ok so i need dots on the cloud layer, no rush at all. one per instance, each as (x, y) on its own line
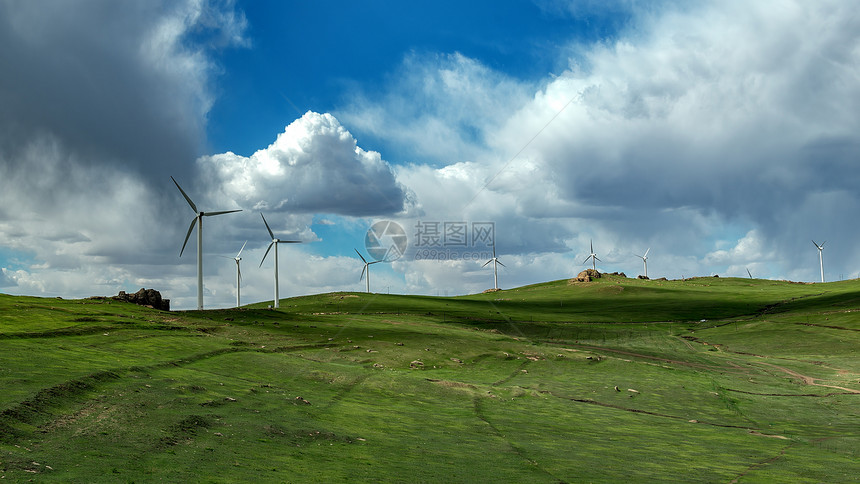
(696, 129)
(722, 135)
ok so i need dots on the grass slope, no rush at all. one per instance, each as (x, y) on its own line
(710, 379)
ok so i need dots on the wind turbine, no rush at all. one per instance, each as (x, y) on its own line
(366, 268)
(644, 260)
(198, 219)
(495, 260)
(275, 241)
(593, 257)
(820, 257)
(238, 273)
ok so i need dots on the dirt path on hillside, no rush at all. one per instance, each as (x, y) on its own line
(807, 380)
(730, 368)
(733, 367)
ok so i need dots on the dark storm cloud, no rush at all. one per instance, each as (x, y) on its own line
(99, 102)
(112, 80)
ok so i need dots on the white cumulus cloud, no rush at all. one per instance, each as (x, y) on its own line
(314, 166)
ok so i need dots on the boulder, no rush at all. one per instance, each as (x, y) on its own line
(145, 297)
(643, 277)
(587, 275)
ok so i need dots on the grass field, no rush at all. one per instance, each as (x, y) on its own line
(617, 380)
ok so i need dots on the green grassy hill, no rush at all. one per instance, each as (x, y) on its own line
(617, 380)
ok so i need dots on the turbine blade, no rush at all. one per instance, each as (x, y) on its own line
(586, 259)
(190, 228)
(187, 198)
(239, 271)
(289, 241)
(592, 246)
(267, 252)
(822, 244)
(267, 226)
(362, 273)
(646, 252)
(360, 256)
(208, 214)
(814, 243)
(243, 248)
(374, 262)
(597, 259)
(485, 263)
(500, 263)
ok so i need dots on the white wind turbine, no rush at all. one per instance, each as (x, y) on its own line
(365, 269)
(275, 241)
(645, 260)
(495, 260)
(593, 257)
(238, 274)
(820, 257)
(198, 219)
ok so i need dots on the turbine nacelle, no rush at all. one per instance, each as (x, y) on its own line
(644, 260)
(197, 220)
(238, 258)
(495, 260)
(820, 257)
(593, 257)
(366, 268)
(274, 243)
(238, 274)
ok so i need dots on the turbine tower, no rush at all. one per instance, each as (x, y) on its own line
(365, 269)
(275, 241)
(593, 257)
(238, 274)
(820, 257)
(495, 260)
(645, 260)
(198, 219)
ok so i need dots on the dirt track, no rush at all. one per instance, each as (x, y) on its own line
(807, 380)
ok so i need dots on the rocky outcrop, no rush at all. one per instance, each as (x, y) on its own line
(587, 275)
(145, 297)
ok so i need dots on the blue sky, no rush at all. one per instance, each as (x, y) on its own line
(724, 135)
(312, 55)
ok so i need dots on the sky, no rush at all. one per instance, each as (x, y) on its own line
(721, 135)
